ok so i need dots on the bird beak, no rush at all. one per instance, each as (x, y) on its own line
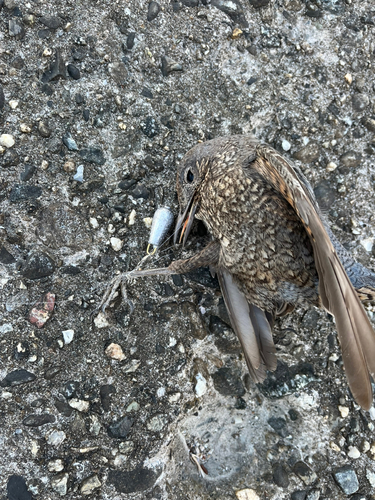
(185, 221)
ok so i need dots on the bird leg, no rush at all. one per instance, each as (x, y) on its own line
(209, 256)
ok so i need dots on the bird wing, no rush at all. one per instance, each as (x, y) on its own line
(251, 326)
(356, 335)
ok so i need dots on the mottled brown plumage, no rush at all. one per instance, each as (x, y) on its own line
(271, 249)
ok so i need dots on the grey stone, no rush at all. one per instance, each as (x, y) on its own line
(21, 192)
(168, 66)
(153, 11)
(368, 123)
(38, 265)
(17, 377)
(69, 142)
(351, 159)
(309, 153)
(132, 481)
(52, 22)
(305, 473)
(38, 420)
(347, 479)
(120, 428)
(92, 155)
(16, 29)
(17, 488)
(228, 382)
(360, 102)
(280, 476)
(57, 68)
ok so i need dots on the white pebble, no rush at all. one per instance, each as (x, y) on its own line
(353, 452)
(173, 398)
(56, 437)
(115, 351)
(79, 404)
(6, 140)
(285, 145)
(116, 244)
(26, 129)
(68, 336)
(101, 321)
(349, 78)
(372, 413)
(331, 166)
(44, 165)
(148, 222)
(13, 104)
(247, 494)
(94, 223)
(56, 465)
(367, 244)
(160, 392)
(201, 385)
(6, 328)
(79, 175)
(344, 410)
(370, 477)
(132, 215)
(47, 52)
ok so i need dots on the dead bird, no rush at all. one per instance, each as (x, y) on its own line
(271, 249)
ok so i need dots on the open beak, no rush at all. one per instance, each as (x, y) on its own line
(185, 221)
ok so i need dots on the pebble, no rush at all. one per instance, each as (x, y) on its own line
(115, 351)
(60, 483)
(353, 452)
(13, 104)
(25, 129)
(132, 481)
(6, 257)
(120, 428)
(344, 411)
(16, 29)
(368, 123)
(168, 65)
(347, 479)
(351, 159)
(20, 193)
(57, 68)
(360, 102)
(367, 244)
(68, 336)
(90, 484)
(147, 222)
(56, 465)
(2, 98)
(69, 166)
(305, 473)
(278, 424)
(331, 166)
(313, 494)
(69, 142)
(7, 140)
(286, 145)
(42, 310)
(52, 22)
(38, 420)
(156, 424)
(153, 11)
(349, 79)
(134, 406)
(105, 396)
(94, 222)
(236, 33)
(78, 176)
(22, 350)
(116, 243)
(309, 153)
(201, 385)
(17, 377)
(247, 494)
(55, 438)
(79, 405)
(44, 129)
(6, 328)
(92, 155)
(280, 476)
(17, 488)
(150, 127)
(132, 217)
(100, 321)
(232, 9)
(74, 72)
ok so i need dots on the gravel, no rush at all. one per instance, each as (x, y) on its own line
(99, 101)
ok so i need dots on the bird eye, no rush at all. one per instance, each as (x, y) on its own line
(190, 176)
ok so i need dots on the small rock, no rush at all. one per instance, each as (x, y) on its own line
(90, 484)
(153, 11)
(150, 127)
(286, 145)
(308, 153)
(298, 495)
(351, 159)
(156, 424)
(105, 395)
(247, 494)
(236, 33)
(17, 488)
(119, 72)
(6, 257)
(130, 40)
(69, 166)
(2, 98)
(115, 351)
(79, 404)
(132, 217)
(9, 158)
(69, 142)
(28, 172)
(349, 79)
(57, 68)
(120, 428)
(68, 336)
(201, 385)
(353, 452)
(232, 9)
(168, 65)
(346, 478)
(280, 476)
(100, 321)
(368, 123)
(344, 411)
(78, 176)
(370, 477)
(20, 193)
(56, 465)
(134, 406)
(360, 102)
(55, 438)
(60, 483)
(38, 420)
(25, 129)
(331, 166)
(131, 481)
(74, 72)
(17, 377)
(16, 29)
(7, 140)
(6, 328)
(92, 155)
(52, 22)
(278, 424)
(313, 494)
(44, 129)
(116, 244)
(228, 382)
(304, 472)
(13, 104)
